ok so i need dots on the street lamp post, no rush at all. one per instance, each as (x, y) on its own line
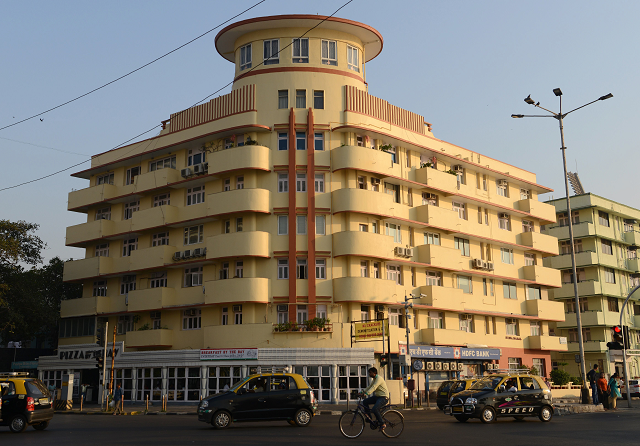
(560, 117)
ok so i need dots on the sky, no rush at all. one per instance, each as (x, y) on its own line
(465, 66)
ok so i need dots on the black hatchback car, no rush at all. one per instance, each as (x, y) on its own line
(268, 396)
(24, 402)
(503, 395)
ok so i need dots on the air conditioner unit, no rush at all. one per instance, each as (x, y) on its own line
(177, 255)
(186, 254)
(128, 279)
(453, 366)
(503, 215)
(198, 252)
(484, 264)
(437, 366)
(408, 252)
(429, 366)
(155, 315)
(502, 182)
(282, 308)
(379, 308)
(184, 173)
(197, 169)
(399, 251)
(445, 366)
(237, 308)
(458, 168)
(460, 365)
(191, 312)
(477, 263)
(490, 266)
(205, 167)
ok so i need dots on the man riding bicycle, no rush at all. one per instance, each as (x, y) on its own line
(379, 395)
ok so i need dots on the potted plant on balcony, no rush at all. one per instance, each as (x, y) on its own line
(385, 147)
(145, 327)
(250, 142)
(427, 164)
(451, 172)
(310, 325)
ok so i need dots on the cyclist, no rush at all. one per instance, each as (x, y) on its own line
(379, 395)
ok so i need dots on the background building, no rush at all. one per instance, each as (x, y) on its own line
(606, 239)
(301, 197)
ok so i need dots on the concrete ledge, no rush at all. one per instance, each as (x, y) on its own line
(568, 409)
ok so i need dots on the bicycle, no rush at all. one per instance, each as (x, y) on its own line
(352, 422)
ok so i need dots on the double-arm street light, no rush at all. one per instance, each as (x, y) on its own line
(560, 116)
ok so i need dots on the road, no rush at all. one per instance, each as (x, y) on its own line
(421, 427)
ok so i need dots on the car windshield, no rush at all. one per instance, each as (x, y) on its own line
(239, 384)
(36, 389)
(488, 383)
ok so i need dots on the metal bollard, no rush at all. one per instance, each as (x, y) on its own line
(81, 401)
(147, 403)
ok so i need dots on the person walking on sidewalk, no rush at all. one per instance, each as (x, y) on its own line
(592, 376)
(614, 390)
(603, 391)
(117, 397)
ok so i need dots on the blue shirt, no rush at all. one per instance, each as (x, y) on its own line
(117, 394)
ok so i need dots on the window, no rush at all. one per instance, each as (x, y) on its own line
(283, 268)
(527, 226)
(393, 316)
(512, 327)
(484, 182)
(283, 224)
(193, 235)
(434, 278)
(239, 269)
(301, 182)
(240, 182)
(245, 57)
(195, 195)
(226, 184)
(321, 269)
(329, 53)
(535, 328)
(431, 238)
(484, 286)
(157, 321)
(224, 271)
(226, 228)
(393, 273)
(394, 231)
(376, 270)
(464, 283)
(196, 156)
(301, 224)
(364, 313)
(529, 259)
(436, 319)
(271, 52)
(509, 290)
(160, 239)
(302, 314)
(573, 335)
(375, 184)
(430, 199)
(374, 227)
(300, 50)
(132, 173)
(628, 225)
(525, 194)
(191, 319)
(125, 324)
(501, 188)
(571, 305)
(283, 314)
(102, 250)
(225, 316)
(466, 323)
(538, 363)
(533, 293)
(158, 280)
(318, 99)
(603, 218)
(127, 284)
(130, 208)
(165, 163)
(103, 214)
(301, 268)
(301, 101)
(283, 102)
(105, 179)
(100, 288)
(460, 209)
(506, 255)
(283, 182)
(364, 268)
(463, 245)
(320, 225)
(504, 221)
(609, 275)
(239, 224)
(486, 217)
(352, 58)
(71, 327)
(362, 183)
(129, 245)
(193, 277)
(318, 141)
(563, 219)
(514, 363)
(319, 182)
(567, 275)
(161, 200)
(489, 323)
(565, 246)
(607, 247)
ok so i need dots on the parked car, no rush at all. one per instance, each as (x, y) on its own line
(24, 402)
(634, 385)
(515, 395)
(442, 394)
(267, 396)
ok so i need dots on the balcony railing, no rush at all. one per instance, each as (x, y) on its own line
(295, 327)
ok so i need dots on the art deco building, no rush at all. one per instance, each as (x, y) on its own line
(298, 196)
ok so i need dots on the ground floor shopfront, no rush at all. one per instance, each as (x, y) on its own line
(608, 362)
(187, 375)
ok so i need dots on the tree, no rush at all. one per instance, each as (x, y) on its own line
(19, 244)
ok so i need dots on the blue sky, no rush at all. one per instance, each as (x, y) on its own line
(464, 65)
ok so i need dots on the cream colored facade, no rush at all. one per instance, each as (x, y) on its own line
(606, 239)
(421, 217)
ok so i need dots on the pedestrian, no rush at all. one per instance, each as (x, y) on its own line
(117, 397)
(614, 391)
(603, 391)
(83, 391)
(592, 376)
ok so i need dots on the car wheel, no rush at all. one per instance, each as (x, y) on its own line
(462, 418)
(18, 424)
(302, 418)
(546, 413)
(291, 422)
(41, 426)
(488, 415)
(519, 417)
(221, 420)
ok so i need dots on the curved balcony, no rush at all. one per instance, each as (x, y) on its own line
(238, 158)
(86, 306)
(366, 244)
(77, 235)
(154, 217)
(149, 338)
(538, 242)
(442, 297)
(238, 200)
(151, 299)
(544, 276)
(538, 209)
(83, 198)
(154, 257)
(368, 202)
(437, 179)
(365, 289)
(442, 257)
(238, 290)
(238, 244)
(363, 158)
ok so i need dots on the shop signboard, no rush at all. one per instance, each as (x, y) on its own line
(368, 331)
(431, 351)
(88, 351)
(219, 354)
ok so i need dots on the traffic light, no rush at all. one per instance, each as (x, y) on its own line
(100, 336)
(99, 362)
(384, 360)
(616, 338)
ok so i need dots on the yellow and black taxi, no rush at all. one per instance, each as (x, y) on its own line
(450, 387)
(262, 397)
(515, 395)
(24, 402)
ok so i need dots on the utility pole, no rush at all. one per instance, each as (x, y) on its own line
(113, 359)
(407, 305)
(104, 363)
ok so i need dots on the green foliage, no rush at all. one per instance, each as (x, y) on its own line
(251, 142)
(145, 327)
(18, 244)
(451, 172)
(576, 380)
(385, 147)
(560, 377)
(422, 165)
